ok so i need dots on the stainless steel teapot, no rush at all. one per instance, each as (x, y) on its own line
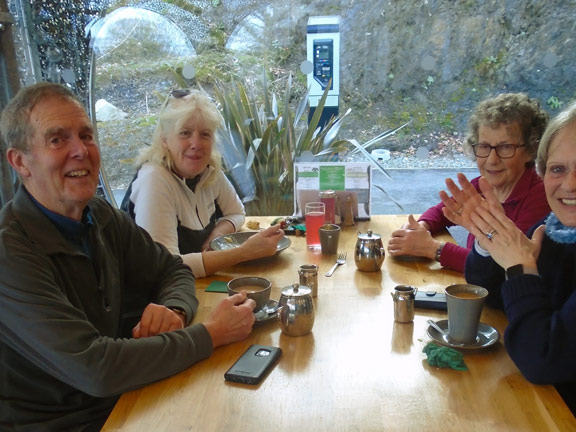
(369, 252)
(297, 310)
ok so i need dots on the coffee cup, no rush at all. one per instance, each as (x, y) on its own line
(329, 238)
(465, 303)
(257, 288)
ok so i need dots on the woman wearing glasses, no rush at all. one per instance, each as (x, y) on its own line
(503, 136)
(180, 194)
(533, 274)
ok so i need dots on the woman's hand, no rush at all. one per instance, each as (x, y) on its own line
(413, 239)
(462, 203)
(262, 244)
(486, 220)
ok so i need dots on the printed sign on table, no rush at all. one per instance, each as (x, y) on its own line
(347, 179)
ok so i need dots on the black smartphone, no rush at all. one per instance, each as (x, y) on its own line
(253, 365)
(430, 300)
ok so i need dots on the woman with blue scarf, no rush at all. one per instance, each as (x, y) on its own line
(533, 276)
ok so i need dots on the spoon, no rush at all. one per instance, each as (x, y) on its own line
(437, 327)
(270, 307)
(445, 334)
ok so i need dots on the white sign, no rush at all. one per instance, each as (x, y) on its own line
(348, 179)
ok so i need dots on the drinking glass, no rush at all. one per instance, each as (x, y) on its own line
(314, 213)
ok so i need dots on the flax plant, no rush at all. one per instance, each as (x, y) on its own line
(261, 141)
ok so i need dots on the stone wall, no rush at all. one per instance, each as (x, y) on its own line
(444, 54)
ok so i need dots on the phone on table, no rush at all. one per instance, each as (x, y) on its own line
(253, 365)
(430, 300)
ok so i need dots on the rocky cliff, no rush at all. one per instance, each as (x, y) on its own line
(413, 58)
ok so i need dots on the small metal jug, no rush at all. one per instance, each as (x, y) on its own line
(308, 274)
(369, 252)
(297, 313)
(403, 297)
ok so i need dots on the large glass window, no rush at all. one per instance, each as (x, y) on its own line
(138, 55)
(424, 64)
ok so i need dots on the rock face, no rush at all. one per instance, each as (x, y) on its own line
(508, 45)
(105, 111)
(445, 55)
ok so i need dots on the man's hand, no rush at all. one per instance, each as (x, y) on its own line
(231, 320)
(157, 319)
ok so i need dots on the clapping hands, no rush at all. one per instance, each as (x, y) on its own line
(484, 216)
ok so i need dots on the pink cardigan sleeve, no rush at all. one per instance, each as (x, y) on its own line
(453, 256)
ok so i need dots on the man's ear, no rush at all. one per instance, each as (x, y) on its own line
(16, 159)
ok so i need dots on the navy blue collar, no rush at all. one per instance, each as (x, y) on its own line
(72, 230)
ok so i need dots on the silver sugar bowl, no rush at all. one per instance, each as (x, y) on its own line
(297, 313)
(369, 252)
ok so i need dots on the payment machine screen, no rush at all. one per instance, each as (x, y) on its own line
(323, 61)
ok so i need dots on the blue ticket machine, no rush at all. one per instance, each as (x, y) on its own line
(323, 51)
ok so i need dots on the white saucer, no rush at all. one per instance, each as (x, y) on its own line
(487, 336)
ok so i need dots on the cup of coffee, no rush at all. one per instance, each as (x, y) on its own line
(257, 288)
(329, 237)
(465, 303)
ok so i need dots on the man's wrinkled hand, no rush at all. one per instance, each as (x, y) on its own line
(157, 319)
(231, 320)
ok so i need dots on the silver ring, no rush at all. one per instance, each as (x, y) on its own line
(491, 234)
(459, 211)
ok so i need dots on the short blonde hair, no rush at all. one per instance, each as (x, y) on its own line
(562, 120)
(181, 106)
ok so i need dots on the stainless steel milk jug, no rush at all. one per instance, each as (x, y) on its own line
(403, 297)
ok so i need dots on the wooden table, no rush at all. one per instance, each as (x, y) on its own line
(359, 370)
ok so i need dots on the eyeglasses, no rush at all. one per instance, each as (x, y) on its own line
(176, 94)
(504, 151)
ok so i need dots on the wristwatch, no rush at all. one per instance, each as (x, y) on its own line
(180, 312)
(439, 251)
(515, 270)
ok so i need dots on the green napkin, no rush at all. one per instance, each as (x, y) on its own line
(444, 357)
(217, 286)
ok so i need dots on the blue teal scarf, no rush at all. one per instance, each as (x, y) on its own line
(559, 232)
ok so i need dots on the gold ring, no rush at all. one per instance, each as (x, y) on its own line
(491, 234)
(459, 211)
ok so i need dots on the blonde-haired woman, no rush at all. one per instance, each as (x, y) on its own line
(180, 194)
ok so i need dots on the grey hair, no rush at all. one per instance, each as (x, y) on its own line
(15, 124)
(508, 108)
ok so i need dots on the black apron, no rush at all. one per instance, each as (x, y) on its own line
(189, 240)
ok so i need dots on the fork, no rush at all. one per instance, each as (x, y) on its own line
(339, 261)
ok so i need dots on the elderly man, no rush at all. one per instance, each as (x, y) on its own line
(91, 307)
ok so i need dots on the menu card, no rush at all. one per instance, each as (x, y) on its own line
(347, 179)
